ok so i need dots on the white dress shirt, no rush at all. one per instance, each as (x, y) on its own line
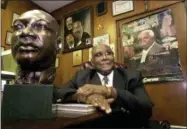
(144, 53)
(110, 79)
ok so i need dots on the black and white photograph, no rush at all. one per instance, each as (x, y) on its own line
(78, 30)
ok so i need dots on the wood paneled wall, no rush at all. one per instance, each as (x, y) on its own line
(17, 6)
(169, 98)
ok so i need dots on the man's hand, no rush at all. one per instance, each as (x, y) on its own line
(89, 89)
(98, 100)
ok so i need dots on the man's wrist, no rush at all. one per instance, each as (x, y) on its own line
(111, 92)
(108, 92)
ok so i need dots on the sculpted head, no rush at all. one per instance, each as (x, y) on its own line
(34, 41)
(103, 58)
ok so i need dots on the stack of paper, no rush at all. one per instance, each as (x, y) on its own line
(72, 110)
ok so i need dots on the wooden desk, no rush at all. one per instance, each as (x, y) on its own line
(56, 123)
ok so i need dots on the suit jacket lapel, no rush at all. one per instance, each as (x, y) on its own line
(94, 79)
(119, 80)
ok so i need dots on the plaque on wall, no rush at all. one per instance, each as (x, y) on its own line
(101, 8)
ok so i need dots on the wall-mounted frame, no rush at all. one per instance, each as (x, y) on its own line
(77, 58)
(120, 7)
(158, 60)
(4, 4)
(57, 62)
(77, 30)
(101, 39)
(101, 8)
(14, 17)
(2, 48)
(8, 38)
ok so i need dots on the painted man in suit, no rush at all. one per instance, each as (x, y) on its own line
(150, 49)
(34, 47)
(119, 93)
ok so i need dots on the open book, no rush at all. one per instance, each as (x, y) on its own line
(72, 110)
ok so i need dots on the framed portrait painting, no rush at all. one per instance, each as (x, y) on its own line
(150, 45)
(77, 30)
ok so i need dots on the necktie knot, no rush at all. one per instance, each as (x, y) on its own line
(105, 79)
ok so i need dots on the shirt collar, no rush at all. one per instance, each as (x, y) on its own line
(109, 75)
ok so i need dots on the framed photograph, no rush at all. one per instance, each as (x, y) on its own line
(78, 30)
(2, 49)
(101, 39)
(101, 8)
(8, 38)
(57, 61)
(14, 17)
(4, 4)
(77, 57)
(150, 45)
(122, 6)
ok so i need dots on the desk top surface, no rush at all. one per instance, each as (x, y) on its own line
(55, 123)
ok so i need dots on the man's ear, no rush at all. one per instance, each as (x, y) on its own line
(59, 44)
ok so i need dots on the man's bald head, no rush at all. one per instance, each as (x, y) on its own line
(101, 45)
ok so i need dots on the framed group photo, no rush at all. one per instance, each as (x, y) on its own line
(77, 30)
(150, 45)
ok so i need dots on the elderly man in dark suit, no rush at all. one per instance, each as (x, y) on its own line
(118, 92)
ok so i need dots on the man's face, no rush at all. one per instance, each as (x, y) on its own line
(103, 58)
(33, 39)
(69, 23)
(145, 40)
(167, 20)
(77, 30)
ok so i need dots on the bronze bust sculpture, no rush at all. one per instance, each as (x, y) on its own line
(34, 46)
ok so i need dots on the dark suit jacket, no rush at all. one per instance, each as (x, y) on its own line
(131, 100)
(85, 38)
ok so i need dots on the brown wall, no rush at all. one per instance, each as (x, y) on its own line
(7, 14)
(169, 98)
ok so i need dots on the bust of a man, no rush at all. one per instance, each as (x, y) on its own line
(34, 46)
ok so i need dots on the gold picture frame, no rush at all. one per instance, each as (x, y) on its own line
(77, 57)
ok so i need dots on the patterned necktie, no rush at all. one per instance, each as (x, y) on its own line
(105, 80)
